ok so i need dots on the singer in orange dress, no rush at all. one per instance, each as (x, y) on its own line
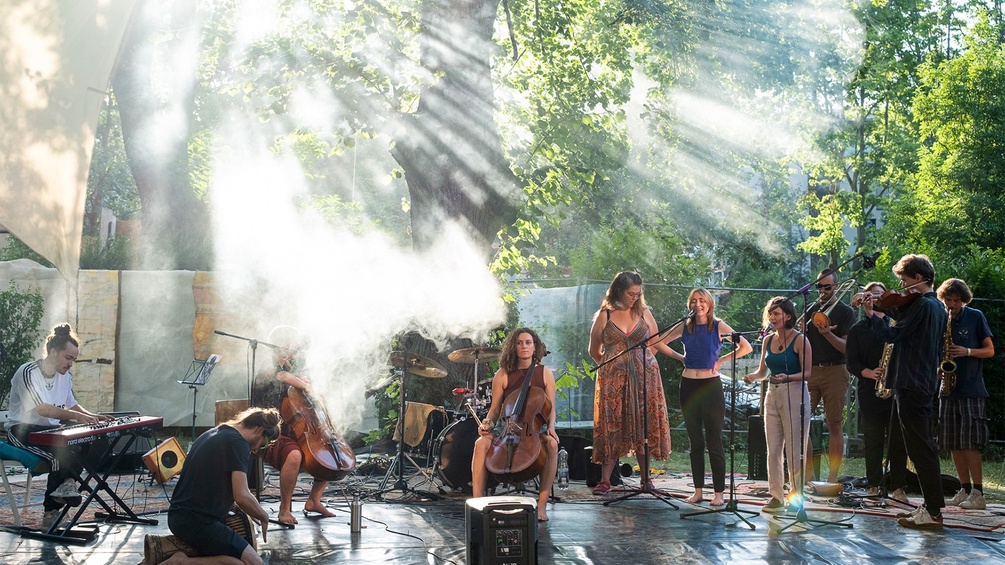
(629, 388)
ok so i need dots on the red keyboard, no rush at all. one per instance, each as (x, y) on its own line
(86, 433)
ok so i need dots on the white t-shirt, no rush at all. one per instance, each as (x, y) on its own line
(29, 388)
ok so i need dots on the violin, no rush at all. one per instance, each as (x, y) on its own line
(897, 298)
(517, 453)
(325, 455)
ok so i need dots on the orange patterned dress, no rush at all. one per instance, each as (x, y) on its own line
(618, 406)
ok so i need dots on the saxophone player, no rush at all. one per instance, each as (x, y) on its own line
(917, 339)
(865, 354)
(963, 423)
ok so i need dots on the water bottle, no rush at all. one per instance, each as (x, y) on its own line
(563, 469)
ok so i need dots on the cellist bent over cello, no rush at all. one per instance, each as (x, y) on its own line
(273, 389)
(517, 439)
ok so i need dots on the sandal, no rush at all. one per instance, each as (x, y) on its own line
(602, 487)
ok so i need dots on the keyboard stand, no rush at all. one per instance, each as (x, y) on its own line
(71, 532)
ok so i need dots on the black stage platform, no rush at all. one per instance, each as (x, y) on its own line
(402, 528)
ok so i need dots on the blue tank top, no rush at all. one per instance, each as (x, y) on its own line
(784, 363)
(702, 347)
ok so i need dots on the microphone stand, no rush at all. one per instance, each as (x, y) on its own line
(644, 461)
(256, 459)
(801, 517)
(731, 505)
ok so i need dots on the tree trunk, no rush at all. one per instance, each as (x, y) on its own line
(450, 150)
(155, 133)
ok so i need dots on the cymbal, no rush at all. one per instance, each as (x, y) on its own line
(474, 354)
(419, 365)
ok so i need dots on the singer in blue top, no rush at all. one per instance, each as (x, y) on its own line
(701, 398)
(787, 356)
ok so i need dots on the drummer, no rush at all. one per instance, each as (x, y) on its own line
(520, 350)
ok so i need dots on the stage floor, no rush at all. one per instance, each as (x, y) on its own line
(399, 527)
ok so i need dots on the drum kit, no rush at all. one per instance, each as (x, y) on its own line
(450, 435)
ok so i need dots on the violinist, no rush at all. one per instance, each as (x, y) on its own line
(917, 338)
(521, 348)
(963, 421)
(284, 454)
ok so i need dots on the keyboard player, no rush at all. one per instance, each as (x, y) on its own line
(41, 396)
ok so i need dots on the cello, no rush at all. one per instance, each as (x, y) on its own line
(517, 453)
(325, 455)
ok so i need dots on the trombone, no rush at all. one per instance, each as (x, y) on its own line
(821, 317)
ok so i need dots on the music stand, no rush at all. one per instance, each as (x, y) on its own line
(731, 505)
(198, 375)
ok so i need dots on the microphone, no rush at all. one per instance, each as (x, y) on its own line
(763, 333)
(691, 315)
(869, 261)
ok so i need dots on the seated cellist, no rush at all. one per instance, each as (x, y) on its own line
(521, 348)
(284, 454)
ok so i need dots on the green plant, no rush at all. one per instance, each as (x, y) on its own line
(20, 332)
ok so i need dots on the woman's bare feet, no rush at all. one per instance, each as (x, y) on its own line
(287, 517)
(717, 500)
(694, 498)
(317, 508)
(542, 516)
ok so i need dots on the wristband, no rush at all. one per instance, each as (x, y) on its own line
(968, 352)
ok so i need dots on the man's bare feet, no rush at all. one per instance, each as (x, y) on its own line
(542, 516)
(317, 508)
(287, 517)
(717, 499)
(694, 498)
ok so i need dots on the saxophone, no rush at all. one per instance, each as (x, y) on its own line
(884, 364)
(947, 369)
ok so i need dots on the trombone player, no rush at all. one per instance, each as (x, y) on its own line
(831, 320)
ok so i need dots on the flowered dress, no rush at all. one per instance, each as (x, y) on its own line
(618, 406)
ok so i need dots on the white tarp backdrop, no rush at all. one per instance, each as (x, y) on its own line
(55, 60)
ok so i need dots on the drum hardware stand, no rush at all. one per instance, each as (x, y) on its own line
(801, 517)
(644, 488)
(399, 459)
(731, 504)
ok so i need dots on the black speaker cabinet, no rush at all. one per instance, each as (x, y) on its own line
(501, 530)
(165, 460)
(757, 450)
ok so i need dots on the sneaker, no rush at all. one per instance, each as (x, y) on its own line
(900, 496)
(774, 505)
(960, 496)
(910, 514)
(922, 521)
(48, 518)
(602, 488)
(66, 493)
(975, 501)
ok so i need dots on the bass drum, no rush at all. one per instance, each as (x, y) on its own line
(454, 448)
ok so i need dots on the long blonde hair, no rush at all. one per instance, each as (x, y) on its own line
(710, 323)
